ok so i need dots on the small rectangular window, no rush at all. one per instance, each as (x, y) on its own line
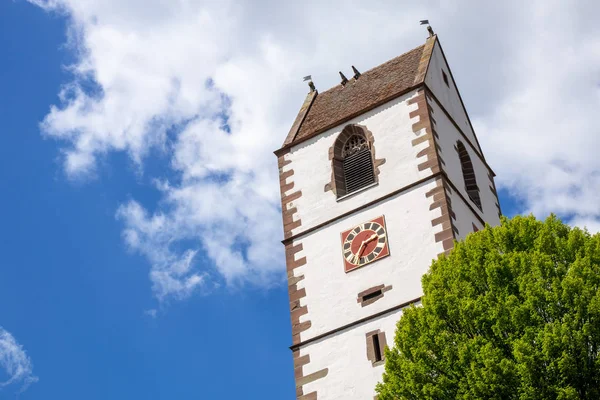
(372, 295)
(445, 78)
(377, 348)
(376, 345)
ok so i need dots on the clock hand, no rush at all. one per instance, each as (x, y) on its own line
(362, 246)
(358, 253)
(373, 237)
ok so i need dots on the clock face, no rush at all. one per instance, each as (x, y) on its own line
(364, 244)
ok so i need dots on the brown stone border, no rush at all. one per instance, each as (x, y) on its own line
(371, 347)
(440, 198)
(360, 298)
(425, 59)
(337, 178)
(296, 294)
(288, 210)
(495, 192)
(301, 379)
(423, 128)
(294, 347)
(296, 311)
(466, 139)
(308, 101)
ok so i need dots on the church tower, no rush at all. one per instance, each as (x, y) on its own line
(379, 175)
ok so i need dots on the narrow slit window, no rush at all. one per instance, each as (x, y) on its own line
(376, 344)
(377, 348)
(445, 77)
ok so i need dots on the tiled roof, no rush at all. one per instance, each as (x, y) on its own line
(322, 111)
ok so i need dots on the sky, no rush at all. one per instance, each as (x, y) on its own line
(141, 221)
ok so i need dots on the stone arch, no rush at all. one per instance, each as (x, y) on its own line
(353, 139)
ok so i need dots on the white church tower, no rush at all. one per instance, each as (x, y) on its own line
(379, 175)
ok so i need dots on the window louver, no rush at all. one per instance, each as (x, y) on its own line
(358, 170)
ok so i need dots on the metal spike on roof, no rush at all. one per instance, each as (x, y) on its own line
(344, 79)
(356, 73)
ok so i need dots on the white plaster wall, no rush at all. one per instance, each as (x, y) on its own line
(448, 96)
(331, 292)
(448, 136)
(391, 127)
(464, 217)
(351, 375)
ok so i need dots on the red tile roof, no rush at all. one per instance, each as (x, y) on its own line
(322, 111)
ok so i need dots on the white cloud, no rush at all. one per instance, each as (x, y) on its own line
(216, 86)
(15, 362)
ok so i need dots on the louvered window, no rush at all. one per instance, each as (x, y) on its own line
(357, 164)
(358, 170)
(468, 174)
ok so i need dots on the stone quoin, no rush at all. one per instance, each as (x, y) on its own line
(378, 177)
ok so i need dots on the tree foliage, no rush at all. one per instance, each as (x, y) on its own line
(512, 313)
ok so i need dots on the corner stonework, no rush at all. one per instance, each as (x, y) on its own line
(294, 260)
(440, 199)
(288, 196)
(430, 159)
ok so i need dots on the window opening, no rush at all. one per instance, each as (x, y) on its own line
(357, 164)
(468, 174)
(377, 348)
(352, 163)
(445, 78)
(353, 145)
(372, 295)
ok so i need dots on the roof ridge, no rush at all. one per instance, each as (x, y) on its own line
(382, 83)
(379, 65)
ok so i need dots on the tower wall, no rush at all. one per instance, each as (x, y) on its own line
(447, 136)
(349, 374)
(391, 126)
(448, 95)
(419, 190)
(332, 293)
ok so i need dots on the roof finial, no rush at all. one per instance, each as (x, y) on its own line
(344, 79)
(356, 73)
(429, 28)
(311, 84)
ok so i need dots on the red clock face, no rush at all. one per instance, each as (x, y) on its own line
(364, 244)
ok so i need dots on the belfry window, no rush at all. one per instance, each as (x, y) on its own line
(353, 161)
(468, 174)
(358, 164)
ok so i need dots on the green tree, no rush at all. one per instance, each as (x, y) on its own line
(512, 313)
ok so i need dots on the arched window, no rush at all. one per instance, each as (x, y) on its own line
(352, 161)
(468, 174)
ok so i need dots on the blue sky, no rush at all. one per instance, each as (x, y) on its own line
(71, 293)
(138, 261)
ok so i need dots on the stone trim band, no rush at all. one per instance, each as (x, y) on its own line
(296, 346)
